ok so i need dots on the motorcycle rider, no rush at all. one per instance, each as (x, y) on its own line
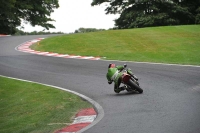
(115, 74)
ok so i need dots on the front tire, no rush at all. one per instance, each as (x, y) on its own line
(133, 85)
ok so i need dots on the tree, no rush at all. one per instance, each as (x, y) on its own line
(193, 7)
(197, 19)
(36, 12)
(144, 13)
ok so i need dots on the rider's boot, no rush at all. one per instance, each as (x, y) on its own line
(117, 90)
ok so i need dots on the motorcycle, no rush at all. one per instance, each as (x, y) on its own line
(130, 82)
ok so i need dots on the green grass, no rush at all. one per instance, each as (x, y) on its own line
(170, 44)
(32, 108)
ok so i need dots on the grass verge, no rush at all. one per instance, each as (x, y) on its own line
(169, 44)
(32, 108)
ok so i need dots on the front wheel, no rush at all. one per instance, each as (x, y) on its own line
(134, 86)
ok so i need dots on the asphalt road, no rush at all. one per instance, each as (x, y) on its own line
(170, 102)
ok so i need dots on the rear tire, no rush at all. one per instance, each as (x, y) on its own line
(133, 85)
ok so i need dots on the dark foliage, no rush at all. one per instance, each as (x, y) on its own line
(36, 12)
(145, 13)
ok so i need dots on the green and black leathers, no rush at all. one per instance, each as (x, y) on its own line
(115, 74)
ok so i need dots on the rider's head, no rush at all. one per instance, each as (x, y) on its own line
(111, 66)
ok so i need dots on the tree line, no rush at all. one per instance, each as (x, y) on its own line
(146, 13)
(20, 32)
(133, 13)
(85, 30)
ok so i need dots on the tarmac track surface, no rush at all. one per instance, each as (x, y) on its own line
(170, 102)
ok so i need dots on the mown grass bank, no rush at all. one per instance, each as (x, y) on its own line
(30, 107)
(170, 44)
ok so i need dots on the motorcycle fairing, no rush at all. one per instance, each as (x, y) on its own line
(125, 78)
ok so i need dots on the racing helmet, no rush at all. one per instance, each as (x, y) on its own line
(111, 65)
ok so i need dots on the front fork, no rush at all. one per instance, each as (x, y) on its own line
(133, 78)
(132, 75)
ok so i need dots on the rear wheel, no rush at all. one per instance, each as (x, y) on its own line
(134, 86)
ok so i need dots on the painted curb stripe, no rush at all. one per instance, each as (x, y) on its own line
(4, 35)
(42, 53)
(86, 112)
(73, 128)
(25, 48)
(83, 118)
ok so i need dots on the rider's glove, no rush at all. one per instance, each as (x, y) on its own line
(109, 82)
